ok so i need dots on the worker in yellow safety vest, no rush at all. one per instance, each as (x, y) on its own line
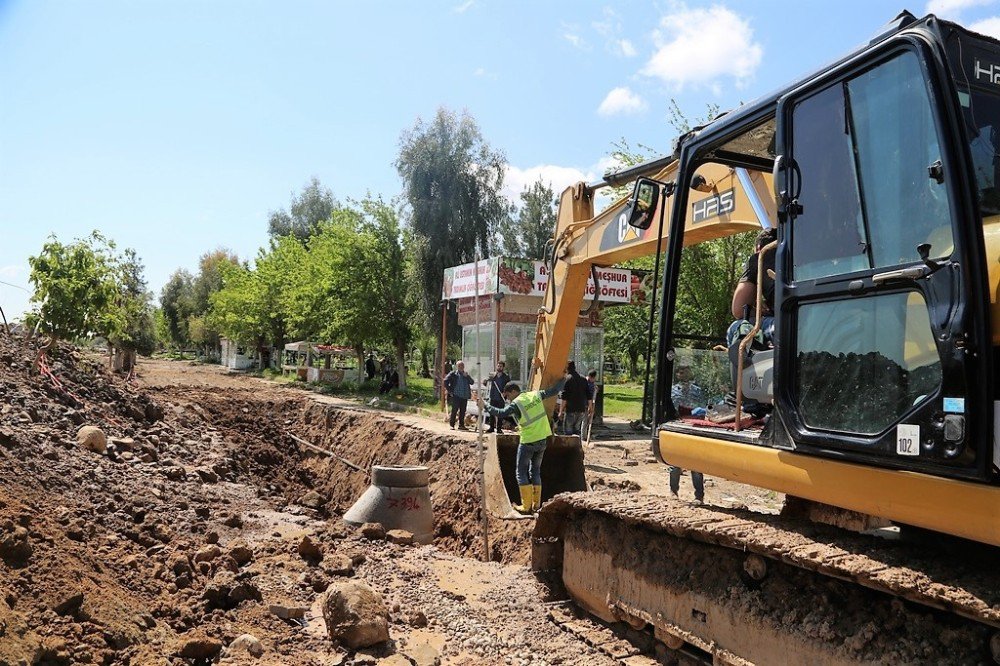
(528, 409)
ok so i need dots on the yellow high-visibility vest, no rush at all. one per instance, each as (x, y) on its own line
(534, 422)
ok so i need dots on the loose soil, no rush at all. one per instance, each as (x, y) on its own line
(183, 540)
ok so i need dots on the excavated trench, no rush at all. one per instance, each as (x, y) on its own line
(261, 438)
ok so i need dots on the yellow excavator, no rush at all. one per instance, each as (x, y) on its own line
(874, 400)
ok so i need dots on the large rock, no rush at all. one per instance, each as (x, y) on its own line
(247, 643)
(92, 438)
(355, 615)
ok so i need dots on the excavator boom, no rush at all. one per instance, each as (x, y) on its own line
(729, 200)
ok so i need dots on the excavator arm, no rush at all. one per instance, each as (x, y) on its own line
(729, 201)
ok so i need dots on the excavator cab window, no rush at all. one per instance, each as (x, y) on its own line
(643, 203)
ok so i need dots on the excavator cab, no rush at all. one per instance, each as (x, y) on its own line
(884, 171)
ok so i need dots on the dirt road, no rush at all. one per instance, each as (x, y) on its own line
(191, 536)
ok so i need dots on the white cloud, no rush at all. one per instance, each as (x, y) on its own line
(13, 271)
(621, 101)
(571, 33)
(626, 49)
(951, 9)
(700, 46)
(483, 73)
(557, 177)
(989, 26)
(461, 9)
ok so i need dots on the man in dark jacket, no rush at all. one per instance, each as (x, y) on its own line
(458, 384)
(576, 400)
(497, 381)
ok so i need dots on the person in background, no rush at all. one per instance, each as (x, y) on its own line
(528, 409)
(592, 397)
(592, 389)
(458, 384)
(390, 381)
(687, 397)
(685, 393)
(370, 366)
(745, 296)
(497, 382)
(576, 401)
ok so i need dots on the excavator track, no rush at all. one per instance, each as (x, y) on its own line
(740, 587)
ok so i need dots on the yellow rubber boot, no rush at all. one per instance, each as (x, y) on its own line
(526, 499)
(536, 498)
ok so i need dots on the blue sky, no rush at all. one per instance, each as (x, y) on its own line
(175, 127)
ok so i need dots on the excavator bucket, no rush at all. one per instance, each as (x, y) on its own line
(562, 471)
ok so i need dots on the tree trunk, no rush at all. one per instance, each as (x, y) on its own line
(633, 362)
(425, 370)
(401, 363)
(360, 351)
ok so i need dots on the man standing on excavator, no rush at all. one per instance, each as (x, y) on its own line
(528, 409)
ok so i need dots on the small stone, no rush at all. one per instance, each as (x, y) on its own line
(337, 564)
(246, 643)
(309, 550)
(8, 438)
(312, 500)
(240, 551)
(175, 473)
(123, 443)
(287, 611)
(423, 654)
(227, 591)
(234, 520)
(212, 537)
(92, 438)
(208, 553)
(70, 603)
(207, 475)
(394, 660)
(373, 531)
(355, 615)
(199, 647)
(400, 537)
(417, 619)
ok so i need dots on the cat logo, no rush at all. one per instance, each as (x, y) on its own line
(626, 232)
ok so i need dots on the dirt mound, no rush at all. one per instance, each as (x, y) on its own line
(185, 536)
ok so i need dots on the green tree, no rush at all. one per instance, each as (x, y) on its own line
(393, 303)
(327, 301)
(251, 307)
(177, 305)
(526, 235)
(308, 209)
(626, 327)
(138, 330)
(75, 288)
(451, 183)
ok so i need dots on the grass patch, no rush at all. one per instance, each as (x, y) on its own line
(419, 392)
(623, 400)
